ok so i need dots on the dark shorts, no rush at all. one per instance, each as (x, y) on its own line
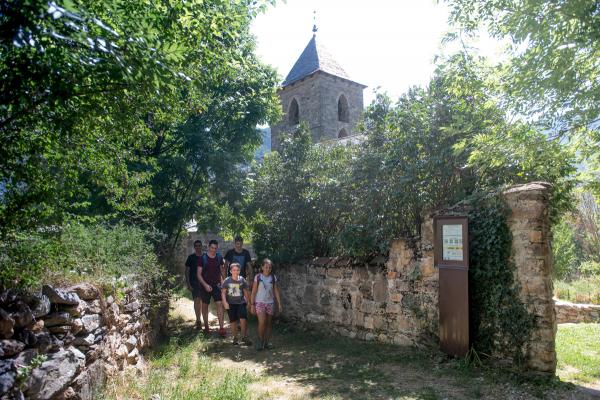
(215, 294)
(237, 311)
(196, 291)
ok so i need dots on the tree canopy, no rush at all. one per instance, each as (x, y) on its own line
(554, 68)
(126, 109)
(435, 146)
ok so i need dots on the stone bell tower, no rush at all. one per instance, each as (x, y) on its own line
(318, 91)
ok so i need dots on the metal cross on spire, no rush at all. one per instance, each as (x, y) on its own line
(314, 29)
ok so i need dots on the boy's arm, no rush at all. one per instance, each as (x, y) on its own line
(187, 278)
(247, 296)
(201, 280)
(223, 270)
(224, 298)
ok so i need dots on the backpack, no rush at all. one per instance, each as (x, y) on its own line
(205, 259)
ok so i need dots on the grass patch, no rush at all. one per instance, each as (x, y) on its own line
(583, 290)
(578, 352)
(182, 370)
(310, 364)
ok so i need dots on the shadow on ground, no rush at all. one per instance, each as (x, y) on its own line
(309, 364)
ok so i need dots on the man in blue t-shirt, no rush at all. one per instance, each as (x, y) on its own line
(241, 256)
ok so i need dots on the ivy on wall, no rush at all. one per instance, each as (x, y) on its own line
(500, 323)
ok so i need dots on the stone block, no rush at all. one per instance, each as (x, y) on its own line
(379, 322)
(396, 297)
(91, 322)
(380, 289)
(8, 375)
(55, 374)
(7, 324)
(392, 274)
(57, 318)
(41, 305)
(402, 340)
(22, 315)
(336, 273)
(536, 237)
(59, 296)
(10, 347)
(393, 308)
(427, 268)
(85, 291)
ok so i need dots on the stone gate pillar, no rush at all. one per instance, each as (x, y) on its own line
(530, 227)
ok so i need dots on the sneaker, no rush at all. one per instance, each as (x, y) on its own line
(268, 346)
(206, 332)
(235, 341)
(246, 341)
(222, 332)
(259, 346)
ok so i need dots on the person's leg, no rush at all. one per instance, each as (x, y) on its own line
(262, 318)
(268, 328)
(198, 311)
(244, 326)
(205, 302)
(234, 325)
(219, 306)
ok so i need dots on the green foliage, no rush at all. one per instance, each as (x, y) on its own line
(499, 320)
(585, 289)
(75, 252)
(126, 110)
(553, 67)
(433, 148)
(566, 253)
(590, 268)
(552, 72)
(299, 199)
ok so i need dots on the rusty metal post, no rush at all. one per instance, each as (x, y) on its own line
(451, 257)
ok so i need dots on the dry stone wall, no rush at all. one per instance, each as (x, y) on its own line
(64, 343)
(391, 301)
(567, 312)
(396, 300)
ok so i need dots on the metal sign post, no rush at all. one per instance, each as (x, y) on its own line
(451, 257)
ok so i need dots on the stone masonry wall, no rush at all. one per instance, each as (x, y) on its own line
(567, 312)
(396, 300)
(530, 228)
(393, 301)
(64, 343)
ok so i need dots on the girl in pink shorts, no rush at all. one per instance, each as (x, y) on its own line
(264, 293)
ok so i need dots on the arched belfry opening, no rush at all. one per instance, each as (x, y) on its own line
(343, 133)
(343, 113)
(294, 113)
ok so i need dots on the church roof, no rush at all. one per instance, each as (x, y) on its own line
(314, 58)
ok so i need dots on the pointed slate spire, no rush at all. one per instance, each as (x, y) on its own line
(314, 58)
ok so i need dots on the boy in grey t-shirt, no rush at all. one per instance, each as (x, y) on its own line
(236, 296)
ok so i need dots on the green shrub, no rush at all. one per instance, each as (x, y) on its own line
(103, 254)
(583, 290)
(565, 250)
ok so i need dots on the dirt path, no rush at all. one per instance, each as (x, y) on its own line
(312, 365)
